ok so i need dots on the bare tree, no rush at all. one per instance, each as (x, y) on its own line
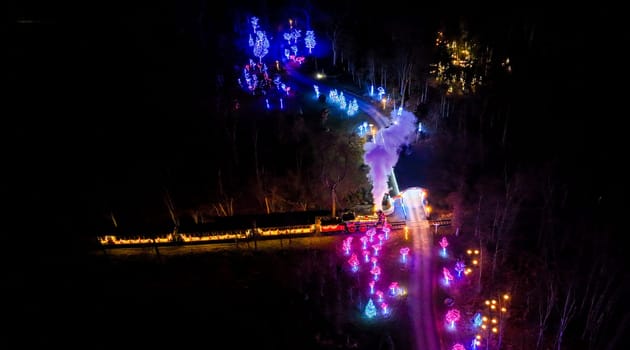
(547, 298)
(566, 314)
(404, 69)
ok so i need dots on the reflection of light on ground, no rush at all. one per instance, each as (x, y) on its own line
(414, 197)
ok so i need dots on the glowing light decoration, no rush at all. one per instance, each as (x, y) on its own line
(364, 241)
(294, 49)
(476, 341)
(366, 255)
(254, 22)
(354, 262)
(287, 37)
(376, 248)
(477, 319)
(347, 243)
(370, 309)
(386, 231)
(287, 53)
(372, 283)
(374, 261)
(460, 267)
(452, 316)
(296, 34)
(458, 346)
(375, 271)
(281, 104)
(332, 94)
(342, 101)
(447, 275)
(393, 288)
(267, 103)
(372, 90)
(381, 237)
(251, 41)
(317, 93)
(385, 309)
(400, 111)
(353, 107)
(309, 40)
(379, 296)
(261, 46)
(370, 233)
(404, 252)
(444, 243)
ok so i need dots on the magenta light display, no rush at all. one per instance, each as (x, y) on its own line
(354, 262)
(372, 283)
(452, 316)
(376, 248)
(364, 240)
(443, 243)
(384, 308)
(381, 237)
(379, 296)
(374, 261)
(346, 247)
(447, 275)
(458, 346)
(366, 254)
(386, 231)
(404, 252)
(375, 271)
(393, 288)
(370, 233)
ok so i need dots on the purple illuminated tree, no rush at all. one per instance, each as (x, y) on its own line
(309, 40)
(459, 267)
(458, 346)
(261, 46)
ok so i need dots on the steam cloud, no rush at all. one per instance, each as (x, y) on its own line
(382, 155)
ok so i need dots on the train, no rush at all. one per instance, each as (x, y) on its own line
(245, 228)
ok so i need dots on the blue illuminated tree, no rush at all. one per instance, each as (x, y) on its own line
(261, 46)
(370, 309)
(254, 22)
(309, 40)
(295, 35)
